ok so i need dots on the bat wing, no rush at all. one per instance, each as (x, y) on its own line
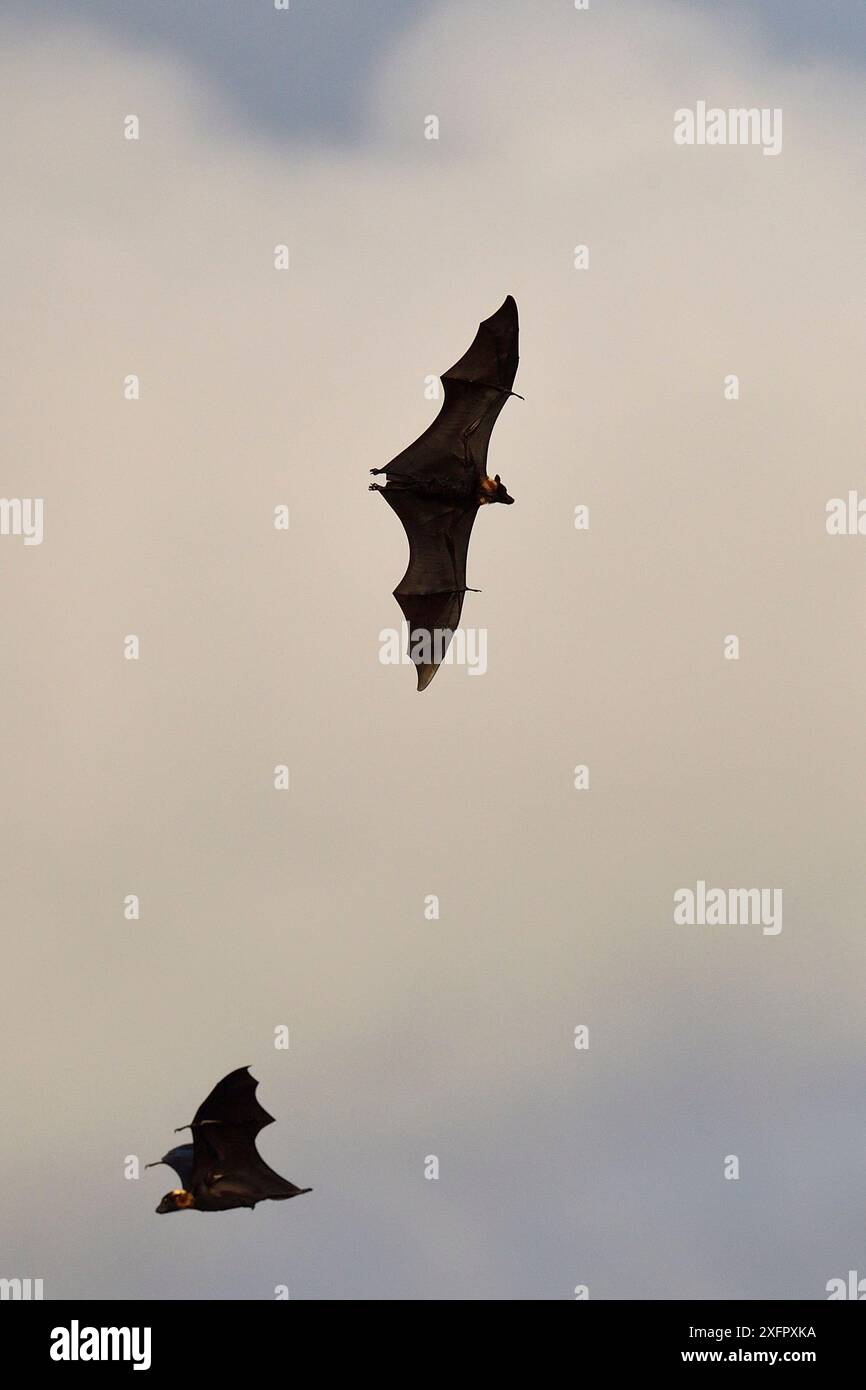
(227, 1165)
(476, 388)
(233, 1100)
(181, 1159)
(232, 1171)
(431, 591)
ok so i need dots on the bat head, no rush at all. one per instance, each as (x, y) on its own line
(494, 490)
(178, 1200)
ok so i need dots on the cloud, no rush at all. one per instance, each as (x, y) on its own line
(296, 72)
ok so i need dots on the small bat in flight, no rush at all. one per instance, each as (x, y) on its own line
(437, 485)
(222, 1168)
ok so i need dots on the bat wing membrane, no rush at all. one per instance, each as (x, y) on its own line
(476, 388)
(182, 1160)
(432, 589)
(226, 1163)
(229, 1165)
(233, 1101)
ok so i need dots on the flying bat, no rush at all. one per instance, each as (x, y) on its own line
(222, 1168)
(437, 485)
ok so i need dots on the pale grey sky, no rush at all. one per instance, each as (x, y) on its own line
(259, 908)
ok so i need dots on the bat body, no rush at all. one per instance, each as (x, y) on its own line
(437, 485)
(222, 1167)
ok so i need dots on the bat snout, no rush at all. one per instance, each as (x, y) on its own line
(500, 492)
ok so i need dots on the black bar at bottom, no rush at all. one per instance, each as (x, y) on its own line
(68, 1337)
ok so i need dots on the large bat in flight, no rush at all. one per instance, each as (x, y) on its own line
(222, 1168)
(437, 485)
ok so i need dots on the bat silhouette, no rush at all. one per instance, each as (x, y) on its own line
(222, 1168)
(437, 485)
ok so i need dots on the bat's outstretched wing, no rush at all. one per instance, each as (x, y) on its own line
(476, 388)
(182, 1160)
(227, 1162)
(431, 591)
(234, 1100)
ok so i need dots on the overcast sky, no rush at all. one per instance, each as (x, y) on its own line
(259, 908)
(310, 77)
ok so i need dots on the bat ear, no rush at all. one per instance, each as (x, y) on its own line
(497, 478)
